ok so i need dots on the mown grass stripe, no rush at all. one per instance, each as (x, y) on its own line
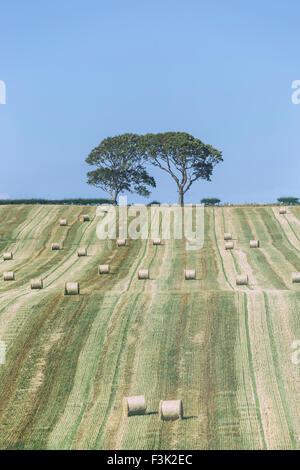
(115, 377)
(293, 435)
(252, 373)
(67, 444)
(218, 249)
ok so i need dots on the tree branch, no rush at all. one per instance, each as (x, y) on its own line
(168, 170)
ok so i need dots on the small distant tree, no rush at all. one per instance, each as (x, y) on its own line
(119, 167)
(288, 200)
(184, 157)
(210, 201)
(154, 202)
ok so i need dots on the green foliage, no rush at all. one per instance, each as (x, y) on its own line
(210, 201)
(184, 157)
(154, 202)
(75, 202)
(288, 200)
(119, 166)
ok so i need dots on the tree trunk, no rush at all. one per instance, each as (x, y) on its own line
(114, 198)
(180, 198)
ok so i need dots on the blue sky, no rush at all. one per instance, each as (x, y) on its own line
(77, 72)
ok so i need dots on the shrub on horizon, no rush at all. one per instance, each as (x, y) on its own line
(212, 201)
(77, 202)
(291, 201)
(153, 202)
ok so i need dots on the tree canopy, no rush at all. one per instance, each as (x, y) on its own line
(119, 167)
(184, 157)
(210, 201)
(288, 200)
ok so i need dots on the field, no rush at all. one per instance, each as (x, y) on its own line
(226, 350)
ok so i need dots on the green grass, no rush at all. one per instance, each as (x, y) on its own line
(223, 349)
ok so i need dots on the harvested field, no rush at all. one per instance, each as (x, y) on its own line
(224, 349)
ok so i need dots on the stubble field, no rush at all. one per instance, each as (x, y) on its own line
(225, 350)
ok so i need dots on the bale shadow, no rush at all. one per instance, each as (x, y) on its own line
(189, 417)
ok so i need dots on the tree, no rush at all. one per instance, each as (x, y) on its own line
(119, 167)
(210, 201)
(292, 201)
(154, 202)
(184, 157)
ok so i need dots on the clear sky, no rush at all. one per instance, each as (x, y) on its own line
(77, 72)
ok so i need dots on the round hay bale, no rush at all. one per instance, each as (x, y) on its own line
(296, 277)
(229, 246)
(72, 288)
(55, 246)
(121, 242)
(170, 410)
(254, 243)
(103, 269)
(242, 280)
(134, 405)
(282, 210)
(82, 252)
(36, 283)
(143, 274)
(227, 236)
(156, 241)
(7, 256)
(63, 222)
(9, 276)
(85, 218)
(190, 274)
